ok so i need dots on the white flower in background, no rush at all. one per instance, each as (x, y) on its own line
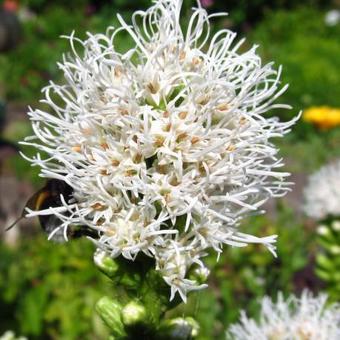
(10, 335)
(302, 318)
(165, 146)
(322, 193)
(332, 17)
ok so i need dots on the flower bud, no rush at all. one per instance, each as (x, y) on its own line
(105, 263)
(335, 250)
(322, 230)
(180, 328)
(110, 311)
(336, 225)
(202, 274)
(133, 313)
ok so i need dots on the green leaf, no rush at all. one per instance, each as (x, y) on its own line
(32, 310)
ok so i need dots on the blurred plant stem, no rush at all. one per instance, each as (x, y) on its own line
(139, 302)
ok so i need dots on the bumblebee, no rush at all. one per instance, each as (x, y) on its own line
(49, 197)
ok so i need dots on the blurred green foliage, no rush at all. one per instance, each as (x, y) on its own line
(312, 150)
(28, 68)
(39, 5)
(79, 5)
(15, 132)
(309, 51)
(49, 290)
(245, 13)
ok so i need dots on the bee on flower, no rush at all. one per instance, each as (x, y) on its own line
(165, 146)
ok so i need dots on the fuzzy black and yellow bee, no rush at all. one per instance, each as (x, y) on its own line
(49, 197)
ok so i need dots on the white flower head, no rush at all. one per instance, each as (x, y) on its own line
(165, 146)
(302, 318)
(332, 17)
(322, 193)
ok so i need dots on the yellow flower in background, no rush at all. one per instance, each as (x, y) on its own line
(324, 117)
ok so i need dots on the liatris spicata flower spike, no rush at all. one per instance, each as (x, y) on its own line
(165, 146)
(302, 318)
(322, 193)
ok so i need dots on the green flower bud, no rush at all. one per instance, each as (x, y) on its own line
(322, 230)
(105, 263)
(179, 328)
(335, 250)
(336, 225)
(324, 262)
(337, 276)
(324, 275)
(110, 312)
(194, 326)
(200, 275)
(134, 313)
